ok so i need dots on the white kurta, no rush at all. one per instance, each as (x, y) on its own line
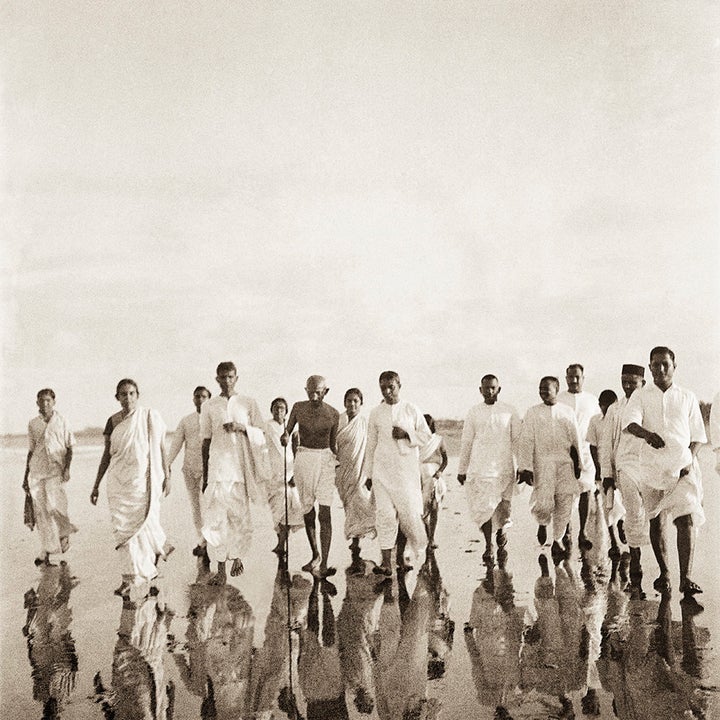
(487, 456)
(49, 442)
(350, 479)
(134, 487)
(234, 459)
(675, 416)
(188, 434)
(585, 406)
(394, 468)
(548, 433)
(598, 435)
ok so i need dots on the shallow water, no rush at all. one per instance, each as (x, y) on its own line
(536, 646)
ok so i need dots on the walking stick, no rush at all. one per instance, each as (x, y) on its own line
(286, 552)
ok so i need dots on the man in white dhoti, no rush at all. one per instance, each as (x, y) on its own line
(138, 475)
(315, 467)
(396, 429)
(585, 406)
(487, 463)
(233, 442)
(611, 505)
(188, 434)
(46, 472)
(668, 419)
(549, 461)
(619, 456)
(280, 486)
(349, 477)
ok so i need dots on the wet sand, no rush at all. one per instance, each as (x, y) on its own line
(534, 645)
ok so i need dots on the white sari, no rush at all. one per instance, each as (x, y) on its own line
(134, 488)
(277, 472)
(350, 480)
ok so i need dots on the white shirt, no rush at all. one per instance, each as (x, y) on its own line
(49, 442)
(548, 432)
(618, 450)
(489, 439)
(188, 432)
(675, 416)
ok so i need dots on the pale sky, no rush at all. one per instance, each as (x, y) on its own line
(445, 189)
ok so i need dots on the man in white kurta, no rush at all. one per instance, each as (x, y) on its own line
(188, 434)
(585, 406)
(233, 441)
(619, 455)
(487, 462)
(668, 419)
(396, 429)
(715, 430)
(46, 472)
(546, 461)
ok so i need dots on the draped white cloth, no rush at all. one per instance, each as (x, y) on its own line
(394, 468)
(49, 442)
(134, 488)
(585, 406)
(350, 479)
(235, 460)
(275, 481)
(433, 489)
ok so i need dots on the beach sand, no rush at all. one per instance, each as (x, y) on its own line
(60, 626)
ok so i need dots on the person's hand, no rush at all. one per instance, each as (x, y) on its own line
(166, 485)
(291, 481)
(526, 476)
(399, 434)
(66, 475)
(94, 495)
(368, 483)
(654, 440)
(204, 485)
(234, 427)
(284, 438)
(462, 478)
(607, 483)
(685, 471)
(26, 485)
(437, 475)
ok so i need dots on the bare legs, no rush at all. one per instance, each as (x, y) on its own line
(318, 563)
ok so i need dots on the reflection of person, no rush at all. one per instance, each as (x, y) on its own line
(188, 434)
(585, 406)
(272, 664)
(715, 430)
(401, 668)
(280, 481)
(219, 640)
(233, 441)
(136, 465)
(315, 467)
(139, 688)
(493, 637)
(396, 429)
(356, 626)
(349, 478)
(487, 463)
(51, 648)
(668, 419)
(319, 669)
(433, 461)
(441, 630)
(549, 460)
(46, 471)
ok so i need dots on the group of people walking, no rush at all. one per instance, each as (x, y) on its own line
(633, 459)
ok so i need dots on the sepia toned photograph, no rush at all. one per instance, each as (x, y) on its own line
(360, 360)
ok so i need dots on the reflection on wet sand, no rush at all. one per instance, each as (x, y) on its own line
(139, 689)
(402, 646)
(51, 648)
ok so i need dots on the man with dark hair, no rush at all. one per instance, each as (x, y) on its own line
(668, 419)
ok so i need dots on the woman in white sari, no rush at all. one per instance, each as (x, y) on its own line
(349, 478)
(138, 474)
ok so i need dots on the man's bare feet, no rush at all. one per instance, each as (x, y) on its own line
(219, 578)
(123, 590)
(312, 566)
(237, 568)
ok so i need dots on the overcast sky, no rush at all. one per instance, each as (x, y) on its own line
(442, 188)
